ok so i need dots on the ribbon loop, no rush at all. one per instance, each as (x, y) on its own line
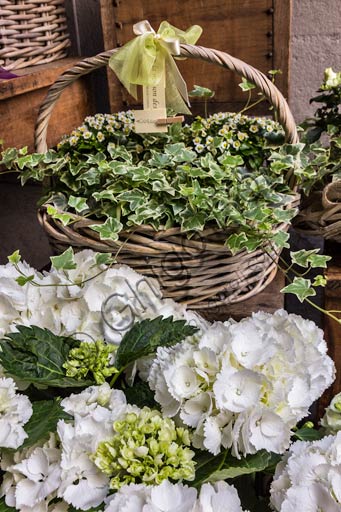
(143, 61)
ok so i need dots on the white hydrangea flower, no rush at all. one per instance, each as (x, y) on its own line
(309, 477)
(15, 411)
(218, 497)
(88, 302)
(94, 410)
(244, 385)
(83, 485)
(32, 477)
(168, 497)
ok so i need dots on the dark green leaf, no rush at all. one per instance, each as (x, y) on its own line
(308, 434)
(44, 419)
(36, 356)
(146, 336)
(141, 395)
(212, 468)
(6, 508)
(22, 280)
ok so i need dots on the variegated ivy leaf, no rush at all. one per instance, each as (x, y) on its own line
(305, 258)
(245, 85)
(320, 281)
(300, 287)
(65, 261)
(15, 257)
(65, 218)
(78, 203)
(201, 92)
(109, 230)
(280, 239)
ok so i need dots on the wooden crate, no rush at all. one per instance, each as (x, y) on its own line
(21, 97)
(256, 31)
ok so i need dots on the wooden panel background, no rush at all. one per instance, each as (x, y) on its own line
(21, 97)
(256, 31)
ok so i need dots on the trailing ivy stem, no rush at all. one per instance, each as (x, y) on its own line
(252, 105)
(310, 302)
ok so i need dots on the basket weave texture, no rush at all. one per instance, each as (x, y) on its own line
(32, 32)
(200, 271)
(320, 214)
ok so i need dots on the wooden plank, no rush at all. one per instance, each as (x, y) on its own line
(269, 300)
(244, 29)
(332, 331)
(281, 43)
(109, 29)
(21, 98)
(35, 77)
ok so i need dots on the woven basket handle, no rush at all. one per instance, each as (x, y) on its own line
(223, 59)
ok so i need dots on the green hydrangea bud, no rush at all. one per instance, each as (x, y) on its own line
(331, 420)
(92, 358)
(146, 448)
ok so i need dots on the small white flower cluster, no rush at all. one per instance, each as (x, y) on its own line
(309, 477)
(68, 302)
(99, 128)
(228, 131)
(61, 467)
(168, 497)
(244, 385)
(15, 411)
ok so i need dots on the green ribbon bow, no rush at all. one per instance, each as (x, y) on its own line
(143, 61)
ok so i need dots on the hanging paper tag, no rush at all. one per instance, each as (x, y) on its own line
(146, 121)
(154, 108)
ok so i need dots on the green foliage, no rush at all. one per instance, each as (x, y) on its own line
(109, 230)
(141, 395)
(44, 419)
(6, 508)
(65, 261)
(146, 336)
(245, 85)
(309, 258)
(300, 287)
(201, 92)
(213, 172)
(307, 433)
(36, 356)
(212, 468)
(15, 257)
(22, 280)
(324, 162)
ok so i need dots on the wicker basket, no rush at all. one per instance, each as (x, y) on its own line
(32, 32)
(320, 214)
(200, 272)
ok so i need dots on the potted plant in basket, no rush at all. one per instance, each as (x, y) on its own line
(320, 211)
